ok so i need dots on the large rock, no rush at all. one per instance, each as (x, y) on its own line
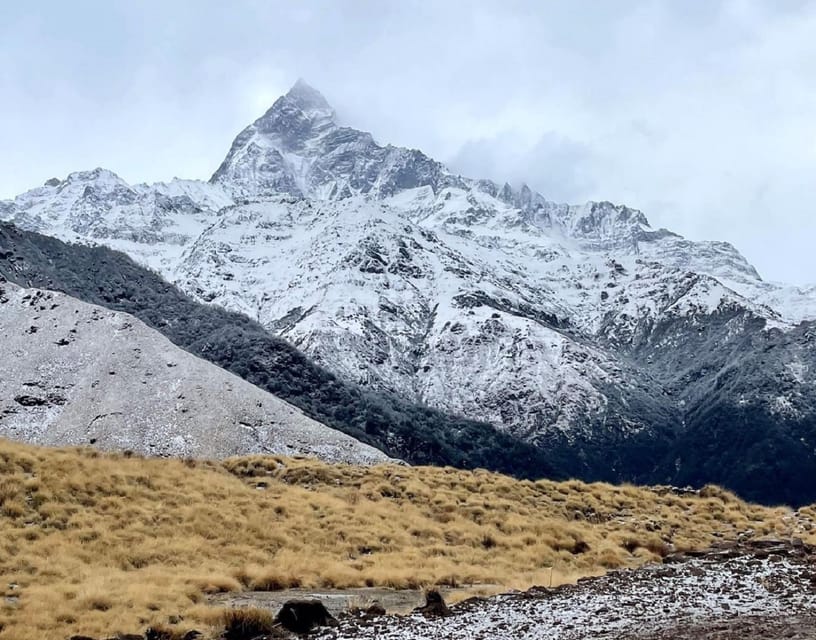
(301, 616)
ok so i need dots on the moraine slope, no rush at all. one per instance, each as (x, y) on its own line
(78, 374)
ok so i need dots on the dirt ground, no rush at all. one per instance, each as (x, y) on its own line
(340, 601)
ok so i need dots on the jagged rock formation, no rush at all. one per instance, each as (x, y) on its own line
(553, 322)
(78, 374)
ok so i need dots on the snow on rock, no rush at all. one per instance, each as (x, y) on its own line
(749, 592)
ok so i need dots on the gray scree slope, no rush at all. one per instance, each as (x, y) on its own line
(72, 373)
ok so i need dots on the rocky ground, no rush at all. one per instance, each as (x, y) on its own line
(749, 591)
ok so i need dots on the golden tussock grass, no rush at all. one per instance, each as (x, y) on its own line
(98, 543)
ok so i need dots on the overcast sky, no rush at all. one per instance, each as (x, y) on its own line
(701, 113)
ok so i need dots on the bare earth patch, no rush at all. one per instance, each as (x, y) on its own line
(340, 601)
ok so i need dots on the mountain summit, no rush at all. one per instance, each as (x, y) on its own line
(307, 98)
(272, 154)
(299, 115)
(297, 147)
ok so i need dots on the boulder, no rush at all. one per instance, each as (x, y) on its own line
(301, 616)
(434, 605)
(375, 610)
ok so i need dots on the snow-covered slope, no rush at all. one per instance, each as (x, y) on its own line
(154, 223)
(78, 374)
(298, 148)
(476, 298)
(728, 593)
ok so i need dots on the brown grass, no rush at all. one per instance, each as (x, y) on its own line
(239, 624)
(97, 543)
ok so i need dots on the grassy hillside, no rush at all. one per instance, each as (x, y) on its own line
(98, 543)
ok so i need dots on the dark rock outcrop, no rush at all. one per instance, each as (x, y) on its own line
(434, 605)
(301, 616)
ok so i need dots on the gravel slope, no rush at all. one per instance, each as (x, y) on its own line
(77, 374)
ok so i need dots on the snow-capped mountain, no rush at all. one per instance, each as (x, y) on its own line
(476, 298)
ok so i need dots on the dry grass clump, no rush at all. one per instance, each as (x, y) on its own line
(249, 622)
(98, 543)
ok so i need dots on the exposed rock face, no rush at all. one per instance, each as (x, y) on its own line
(551, 321)
(90, 376)
(297, 148)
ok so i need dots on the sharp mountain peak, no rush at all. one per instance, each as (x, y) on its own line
(577, 328)
(300, 105)
(305, 95)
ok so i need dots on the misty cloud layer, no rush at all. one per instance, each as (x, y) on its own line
(698, 112)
